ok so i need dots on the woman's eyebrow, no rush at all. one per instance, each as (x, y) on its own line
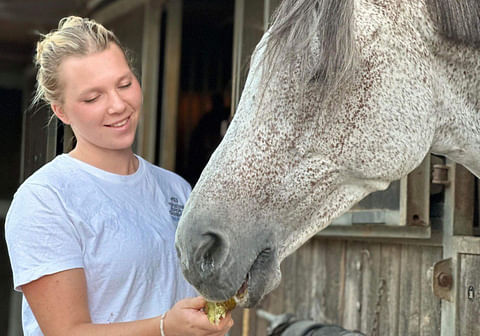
(98, 88)
(89, 90)
(125, 76)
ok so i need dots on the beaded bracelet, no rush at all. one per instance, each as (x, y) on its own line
(162, 332)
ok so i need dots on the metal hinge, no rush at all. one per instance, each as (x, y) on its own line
(443, 279)
(440, 174)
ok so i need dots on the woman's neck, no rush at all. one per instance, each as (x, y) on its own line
(122, 162)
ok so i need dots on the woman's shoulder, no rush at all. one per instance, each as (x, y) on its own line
(55, 177)
(166, 177)
(51, 173)
(41, 191)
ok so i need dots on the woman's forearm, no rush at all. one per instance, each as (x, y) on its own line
(147, 327)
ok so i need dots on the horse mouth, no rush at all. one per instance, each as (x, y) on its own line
(253, 286)
(241, 294)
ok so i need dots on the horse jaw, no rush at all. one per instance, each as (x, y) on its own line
(252, 241)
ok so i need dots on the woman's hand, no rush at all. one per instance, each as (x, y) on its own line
(186, 318)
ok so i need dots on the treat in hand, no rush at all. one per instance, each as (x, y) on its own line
(217, 310)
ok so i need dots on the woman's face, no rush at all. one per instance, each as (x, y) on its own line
(102, 100)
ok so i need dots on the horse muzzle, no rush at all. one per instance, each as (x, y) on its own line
(209, 260)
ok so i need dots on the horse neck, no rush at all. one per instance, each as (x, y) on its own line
(456, 80)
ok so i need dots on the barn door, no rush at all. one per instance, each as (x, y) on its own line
(457, 276)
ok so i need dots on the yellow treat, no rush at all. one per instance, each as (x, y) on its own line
(217, 310)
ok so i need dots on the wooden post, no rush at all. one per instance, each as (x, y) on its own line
(248, 29)
(147, 129)
(171, 80)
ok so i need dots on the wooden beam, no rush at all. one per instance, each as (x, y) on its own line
(238, 24)
(418, 195)
(449, 309)
(116, 9)
(147, 128)
(376, 231)
(248, 29)
(466, 244)
(171, 82)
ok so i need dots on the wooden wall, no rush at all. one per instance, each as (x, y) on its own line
(378, 288)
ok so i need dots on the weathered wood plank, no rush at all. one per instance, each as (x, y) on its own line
(353, 286)
(371, 257)
(387, 293)
(464, 201)
(409, 298)
(303, 281)
(377, 231)
(469, 295)
(335, 281)
(430, 313)
(319, 281)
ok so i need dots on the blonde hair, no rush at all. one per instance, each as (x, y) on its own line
(75, 36)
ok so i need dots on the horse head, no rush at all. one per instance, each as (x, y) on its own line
(341, 99)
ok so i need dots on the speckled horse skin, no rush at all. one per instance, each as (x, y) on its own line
(342, 98)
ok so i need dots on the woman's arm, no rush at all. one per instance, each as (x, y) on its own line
(59, 303)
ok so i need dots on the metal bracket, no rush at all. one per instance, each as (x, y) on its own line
(440, 174)
(443, 279)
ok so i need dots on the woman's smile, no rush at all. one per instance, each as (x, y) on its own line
(119, 124)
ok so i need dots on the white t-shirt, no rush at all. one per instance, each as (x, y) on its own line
(119, 229)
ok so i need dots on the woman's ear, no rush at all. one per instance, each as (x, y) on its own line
(58, 110)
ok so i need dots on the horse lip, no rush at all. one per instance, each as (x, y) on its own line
(260, 266)
(242, 293)
(244, 286)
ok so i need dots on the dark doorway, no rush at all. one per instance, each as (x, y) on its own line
(206, 67)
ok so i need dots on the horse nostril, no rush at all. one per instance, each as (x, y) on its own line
(209, 253)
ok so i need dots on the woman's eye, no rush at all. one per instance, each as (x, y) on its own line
(125, 85)
(90, 100)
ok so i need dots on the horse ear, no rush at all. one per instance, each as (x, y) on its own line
(60, 113)
(457, 20)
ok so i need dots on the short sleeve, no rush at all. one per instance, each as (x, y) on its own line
(40, 235)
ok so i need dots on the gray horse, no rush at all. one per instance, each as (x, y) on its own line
(342, 98)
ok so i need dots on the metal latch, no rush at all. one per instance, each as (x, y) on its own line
(443, 279)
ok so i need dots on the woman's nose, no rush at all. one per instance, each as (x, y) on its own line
(117, 103)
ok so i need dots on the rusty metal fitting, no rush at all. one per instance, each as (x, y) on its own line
(440, 174)
(445, 280)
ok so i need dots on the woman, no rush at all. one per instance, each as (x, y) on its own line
(91, 234)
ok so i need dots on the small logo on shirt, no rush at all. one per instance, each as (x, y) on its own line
(176, 208)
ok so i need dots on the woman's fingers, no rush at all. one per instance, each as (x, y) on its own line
(191, 310)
